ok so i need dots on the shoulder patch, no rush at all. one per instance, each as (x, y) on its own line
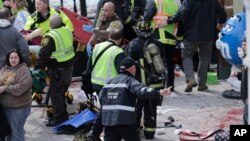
(45, 41)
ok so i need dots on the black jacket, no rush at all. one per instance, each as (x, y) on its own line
(199, 19)
(118, 99)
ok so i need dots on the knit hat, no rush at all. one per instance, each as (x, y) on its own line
(127, 63)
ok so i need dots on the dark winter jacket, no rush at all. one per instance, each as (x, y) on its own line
(199, 19)
(118, 99)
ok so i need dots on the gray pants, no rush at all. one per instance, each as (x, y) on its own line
(204, 51)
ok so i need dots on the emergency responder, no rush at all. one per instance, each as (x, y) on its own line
(118, 103)
(107, 66)
(156, 12)
(136, 50)
(99, 33)
(123, 11)
(57, 54)
(39, 19)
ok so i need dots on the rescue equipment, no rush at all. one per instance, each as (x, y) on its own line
(153, 57)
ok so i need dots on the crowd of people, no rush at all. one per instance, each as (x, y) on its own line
(131, 60)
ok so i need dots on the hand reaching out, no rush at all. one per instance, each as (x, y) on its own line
(165, 91)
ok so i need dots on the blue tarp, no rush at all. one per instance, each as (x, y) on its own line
(85, 116)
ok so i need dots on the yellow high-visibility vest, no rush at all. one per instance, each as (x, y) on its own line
(63, 39)
(104, 69)
(165, 8)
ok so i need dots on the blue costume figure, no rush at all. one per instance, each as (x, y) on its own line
(231, 37)
(229, 44)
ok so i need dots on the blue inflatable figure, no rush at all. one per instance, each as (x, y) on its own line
(231, 37)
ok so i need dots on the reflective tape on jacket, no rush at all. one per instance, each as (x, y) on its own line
(63, 39)
(119, 85)
(149, 129)
(118, 107)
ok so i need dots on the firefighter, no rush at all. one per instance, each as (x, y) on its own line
(157, 11)
(57, 54)
(40, 19)
(136, 50)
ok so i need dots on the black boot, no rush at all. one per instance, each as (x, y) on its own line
(93, 137)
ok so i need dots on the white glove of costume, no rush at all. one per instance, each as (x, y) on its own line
(240, 52)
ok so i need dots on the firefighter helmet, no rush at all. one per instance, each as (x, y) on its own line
(143, 28)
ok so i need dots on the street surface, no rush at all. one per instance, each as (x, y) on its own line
(195, 111)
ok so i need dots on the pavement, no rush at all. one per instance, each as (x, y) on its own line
(195, 111)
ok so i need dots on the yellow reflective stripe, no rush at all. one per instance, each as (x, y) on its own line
(143, 79)
(128, 19)
(168, 41)
(132, 5)
(62, 53)
(158, 85)
(149, 129)
(179, 38)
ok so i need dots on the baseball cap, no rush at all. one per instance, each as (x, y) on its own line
(127, 63)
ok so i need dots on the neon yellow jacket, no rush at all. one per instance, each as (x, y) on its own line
(165, 8)
(34, 23)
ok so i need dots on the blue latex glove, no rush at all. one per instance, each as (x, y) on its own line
(88, 28)
(89, 49)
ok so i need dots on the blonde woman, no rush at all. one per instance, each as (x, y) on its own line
(20, 13)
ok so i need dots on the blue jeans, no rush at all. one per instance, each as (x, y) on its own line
(17, 118)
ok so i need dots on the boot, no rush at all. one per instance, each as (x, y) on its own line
(93, 137)
(190, 85)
